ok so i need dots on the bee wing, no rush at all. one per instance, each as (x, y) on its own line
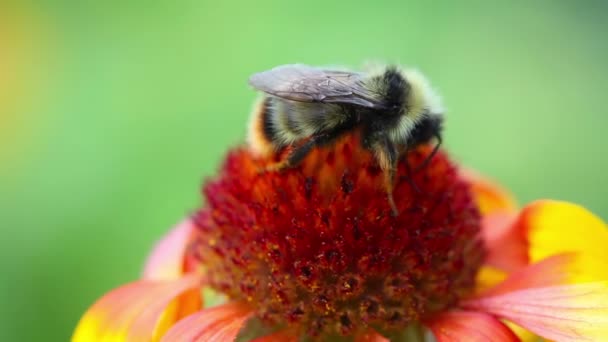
(308, 84)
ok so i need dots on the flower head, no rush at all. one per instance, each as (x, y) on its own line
(314, 251)
(316, 247)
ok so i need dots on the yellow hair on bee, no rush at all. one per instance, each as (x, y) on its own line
(421, 99)
(256, 139)
(279, 117)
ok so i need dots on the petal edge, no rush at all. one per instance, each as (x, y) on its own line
(554, 227)
(217, 324)
(490, 196)
(167, 259)
(135, 312)
(470, 326)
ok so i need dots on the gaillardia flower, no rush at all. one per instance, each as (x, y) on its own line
(313, 253)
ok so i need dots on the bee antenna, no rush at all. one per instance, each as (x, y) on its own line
(424, 164)
(428, 159)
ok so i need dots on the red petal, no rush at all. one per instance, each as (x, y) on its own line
(563, 313)
(216, 324)
(138, 311)
(506, 244)
(469, 326)
(167, 260)
(371, 336)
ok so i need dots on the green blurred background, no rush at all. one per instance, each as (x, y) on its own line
(112, 114)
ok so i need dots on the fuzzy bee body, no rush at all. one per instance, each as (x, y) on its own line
(305, 107)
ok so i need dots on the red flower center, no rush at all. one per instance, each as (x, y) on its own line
(316, 248)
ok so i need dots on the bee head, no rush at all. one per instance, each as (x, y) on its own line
(396, 90)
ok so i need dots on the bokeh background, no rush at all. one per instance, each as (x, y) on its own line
(112, 113)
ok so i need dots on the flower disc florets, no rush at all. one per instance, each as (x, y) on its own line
(317, 249)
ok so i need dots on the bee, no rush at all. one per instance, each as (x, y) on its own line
(304, 107)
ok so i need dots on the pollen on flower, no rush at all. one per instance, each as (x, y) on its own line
(316, 247)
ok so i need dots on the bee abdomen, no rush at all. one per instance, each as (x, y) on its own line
(268, 130)
(262, 132)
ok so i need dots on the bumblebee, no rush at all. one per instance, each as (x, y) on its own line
(306, 107)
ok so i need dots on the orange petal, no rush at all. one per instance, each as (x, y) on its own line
(553, 227)
(563, 313)
(488, 277)
(281, 336)
(371, 336)
(167, 260)
(470, 326)
(507, 246)
(140, 311)
(523, 334)
(216, 324)
(490, 196)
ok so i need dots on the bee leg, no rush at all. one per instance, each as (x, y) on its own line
(428, 159)
(389, 181)
(298, 154)
(387, 156)
(410, 174)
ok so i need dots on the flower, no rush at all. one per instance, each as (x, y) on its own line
(313, 251)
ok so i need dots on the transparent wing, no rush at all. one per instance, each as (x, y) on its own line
(308, 84)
